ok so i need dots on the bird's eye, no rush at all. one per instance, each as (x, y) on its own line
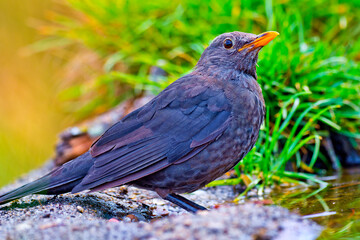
(228, 43)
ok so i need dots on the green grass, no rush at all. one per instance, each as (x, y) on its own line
(309, 75)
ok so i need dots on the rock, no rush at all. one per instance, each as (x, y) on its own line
(247, 221)
(145, 216)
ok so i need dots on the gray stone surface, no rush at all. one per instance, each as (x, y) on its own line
(130, 213)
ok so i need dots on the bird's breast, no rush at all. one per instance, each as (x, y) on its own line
(248, 111)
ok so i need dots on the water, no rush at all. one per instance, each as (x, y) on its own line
(337, 208)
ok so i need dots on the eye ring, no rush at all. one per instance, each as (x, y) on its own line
(228, 43)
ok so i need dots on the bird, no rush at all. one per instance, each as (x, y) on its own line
(191, 133)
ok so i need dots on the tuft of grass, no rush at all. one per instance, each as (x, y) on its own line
(310, 74)
(266, 163)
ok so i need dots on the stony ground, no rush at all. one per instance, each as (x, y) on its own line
(131, 213)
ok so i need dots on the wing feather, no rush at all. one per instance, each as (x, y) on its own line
(172, 128)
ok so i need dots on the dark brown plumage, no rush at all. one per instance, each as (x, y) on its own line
(194, 131)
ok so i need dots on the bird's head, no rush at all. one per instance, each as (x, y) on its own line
(235, 50)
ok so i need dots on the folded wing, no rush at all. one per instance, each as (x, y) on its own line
(175, 126)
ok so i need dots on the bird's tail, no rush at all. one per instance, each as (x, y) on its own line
(61, 180)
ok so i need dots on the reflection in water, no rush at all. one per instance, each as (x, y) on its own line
(337, 208)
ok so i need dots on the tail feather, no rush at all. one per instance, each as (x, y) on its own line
(61, 180)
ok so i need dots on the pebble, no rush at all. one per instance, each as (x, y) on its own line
(47, 215)
(113, 220)
(130, 218)
(80, 209)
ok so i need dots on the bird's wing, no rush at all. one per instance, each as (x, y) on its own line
(173, 127)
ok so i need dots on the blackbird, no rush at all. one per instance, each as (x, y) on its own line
(194, 131)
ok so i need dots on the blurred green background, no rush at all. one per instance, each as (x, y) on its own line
(64, 61)
(30, 117)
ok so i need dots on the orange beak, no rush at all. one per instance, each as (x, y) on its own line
(260, 41)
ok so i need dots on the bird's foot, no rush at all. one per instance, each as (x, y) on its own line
(184, 203)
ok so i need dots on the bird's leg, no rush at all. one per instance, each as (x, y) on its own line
(184, 203)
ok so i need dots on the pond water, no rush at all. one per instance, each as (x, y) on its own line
(337, 208)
